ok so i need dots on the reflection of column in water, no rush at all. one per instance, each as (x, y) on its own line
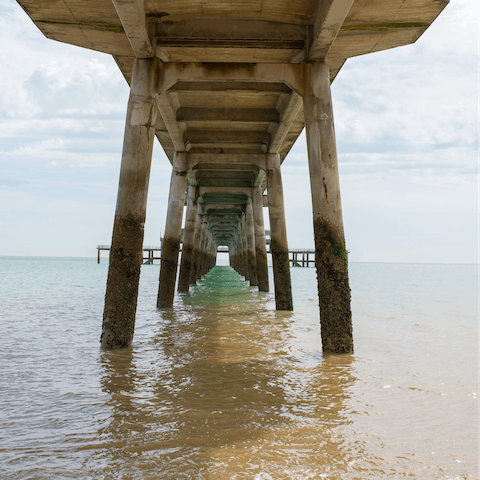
(216, 391)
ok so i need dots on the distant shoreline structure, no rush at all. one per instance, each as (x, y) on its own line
(293, 254)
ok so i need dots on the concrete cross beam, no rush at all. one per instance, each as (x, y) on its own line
(231, 115)
(132, 16)
(289, 115)
(289, 74)
(329, 18)
(167, 112)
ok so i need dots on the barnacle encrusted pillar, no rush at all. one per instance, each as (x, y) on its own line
(278, 234)
(128, 229)
(173, 231)
(330, 254)
(188, 238)
(260, 243)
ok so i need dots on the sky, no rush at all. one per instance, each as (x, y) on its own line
(406, 125)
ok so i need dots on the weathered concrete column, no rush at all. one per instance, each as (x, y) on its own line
(128, 229)
(201, 247)
(260, 243)
(278, 234)
(196, 244)
(206, 247)
(234, 250)
(243, 242)
(252, 261)
(188, 238)
(330, 254)
(173, 231)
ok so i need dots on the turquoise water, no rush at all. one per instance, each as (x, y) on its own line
(222, 386)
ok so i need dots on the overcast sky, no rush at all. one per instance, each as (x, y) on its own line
(407, 137)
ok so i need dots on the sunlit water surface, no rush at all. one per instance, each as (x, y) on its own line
(221, 386)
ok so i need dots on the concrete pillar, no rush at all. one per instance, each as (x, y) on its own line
(196, 244)
(188, 238)
(201, 248)
(330, 253)
(278, 233)
(260, 244)
(204, 249)
(173, 231)
(252, 261)
(237, 265)
(128, 229)
(243, 242)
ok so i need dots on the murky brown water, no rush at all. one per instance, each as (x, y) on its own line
(223, 387)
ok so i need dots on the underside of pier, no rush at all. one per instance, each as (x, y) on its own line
(227, 87)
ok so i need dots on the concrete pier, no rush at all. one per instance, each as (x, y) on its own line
(330, 252)
(278, 233)
(128, 229)
(173, 231)
(227, 88)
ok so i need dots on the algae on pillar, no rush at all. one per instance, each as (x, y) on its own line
(278, 234)
(128, 229)
(330, 253)
(173, 231)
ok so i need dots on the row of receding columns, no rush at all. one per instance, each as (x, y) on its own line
(247, 246)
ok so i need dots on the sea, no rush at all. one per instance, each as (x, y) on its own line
(222, 386)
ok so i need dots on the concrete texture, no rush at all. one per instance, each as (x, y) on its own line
(278, 235)
(252, 260)
(260, 243)
(127, 239)
(187, 246)
(173, 231)
(330, 252)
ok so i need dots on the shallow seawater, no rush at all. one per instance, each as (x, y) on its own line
(221, 386)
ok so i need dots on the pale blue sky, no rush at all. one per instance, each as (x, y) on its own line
(407, 137)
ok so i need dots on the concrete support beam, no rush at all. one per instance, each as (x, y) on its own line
(263, 73)
(329, 18)
(288, 117)
(132, 16)
(330, 253)
(173, 231)
(188, 238)
(169, 117)
(260, 244)
(128, 229)
(252, 260)
(230, 115)
(230, 159)
(223, 137)
(278, 234)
